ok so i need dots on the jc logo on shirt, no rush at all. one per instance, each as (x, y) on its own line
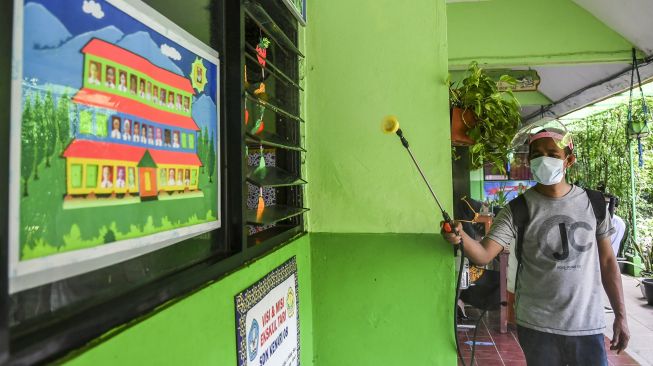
(558, 233)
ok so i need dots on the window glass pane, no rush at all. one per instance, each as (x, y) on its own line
(86, 122)
(193, 177)
(183, 140)
(91, 176)
(191, 141)
(76, 175)
(101, 121)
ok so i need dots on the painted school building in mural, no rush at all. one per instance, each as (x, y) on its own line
(136, 136)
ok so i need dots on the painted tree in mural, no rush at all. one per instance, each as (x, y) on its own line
(211, 158)
(49, 128)
(63, 119)
(27, 145)
(37, 128)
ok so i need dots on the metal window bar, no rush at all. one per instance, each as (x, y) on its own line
(272, 107)
(267, 25)
(272, 69)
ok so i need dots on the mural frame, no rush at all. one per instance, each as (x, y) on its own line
(39, 271)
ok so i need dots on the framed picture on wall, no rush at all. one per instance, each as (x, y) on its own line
(298, 9)
(114, 137)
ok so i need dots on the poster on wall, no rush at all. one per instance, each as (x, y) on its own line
(504, 191)
(114, 137)
(298, 9)
(267, 319)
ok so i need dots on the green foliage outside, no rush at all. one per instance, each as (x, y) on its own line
(601, 147)
(47, 228)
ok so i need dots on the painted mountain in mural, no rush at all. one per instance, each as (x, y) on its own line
(202, 107)
(54, 48)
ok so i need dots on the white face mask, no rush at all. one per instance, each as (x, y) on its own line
(547, 171)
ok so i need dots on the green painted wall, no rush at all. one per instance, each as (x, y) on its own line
(367, 59)
(529, 32)
(382, 279)
(382, 299)
(200, 329)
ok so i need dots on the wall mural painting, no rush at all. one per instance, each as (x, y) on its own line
(118, 127)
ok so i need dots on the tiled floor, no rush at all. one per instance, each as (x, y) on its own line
(503, 349)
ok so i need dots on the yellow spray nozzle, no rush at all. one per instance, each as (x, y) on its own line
(390, 124)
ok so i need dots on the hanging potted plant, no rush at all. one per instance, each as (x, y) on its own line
(483, 117)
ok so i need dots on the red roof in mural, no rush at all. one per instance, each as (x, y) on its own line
(120, 55)
(129, 106)
(175, 157)
(89, 149)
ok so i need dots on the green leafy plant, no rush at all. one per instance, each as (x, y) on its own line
(497, 115)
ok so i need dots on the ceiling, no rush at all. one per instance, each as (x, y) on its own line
(571, 87)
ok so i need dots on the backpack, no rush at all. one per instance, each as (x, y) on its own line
(521, 218)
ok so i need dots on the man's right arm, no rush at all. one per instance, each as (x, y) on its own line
(480, 253)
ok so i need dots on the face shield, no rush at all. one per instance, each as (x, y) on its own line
(551, 128)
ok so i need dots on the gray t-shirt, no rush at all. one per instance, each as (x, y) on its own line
(559, 289)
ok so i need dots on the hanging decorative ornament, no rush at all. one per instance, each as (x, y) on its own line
(261, 202)
(246, 84)
(262, 50)
(637, 129)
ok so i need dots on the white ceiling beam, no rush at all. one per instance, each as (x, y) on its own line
(592, 93)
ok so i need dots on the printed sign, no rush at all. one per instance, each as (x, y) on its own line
(114, 137)
(267, 319)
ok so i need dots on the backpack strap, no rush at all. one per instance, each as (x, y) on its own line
(597, 200)
(520, 218)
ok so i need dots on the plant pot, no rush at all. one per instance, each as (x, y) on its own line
(633, 270)
(460, 124)
(648, 289)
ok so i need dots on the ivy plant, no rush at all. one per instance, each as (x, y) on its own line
(497, 115)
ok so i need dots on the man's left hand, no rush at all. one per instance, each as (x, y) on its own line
(620, 335)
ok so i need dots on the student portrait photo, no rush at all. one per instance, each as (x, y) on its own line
(171, 100)
(178, 104)
(198, 74)
(187, 177)
(120, 179)
(94, 73)
(155, 94)
(133, 80)
(162, 96)
(167, 138)
(110, 81)
(175, 139)
(115, 127)
(180, 176)
(159, 140)
(144, 133)
(137, 132)
(122, 81)
(186, 104)
(171, 177)
(150, 135)
(126, 130)
(141, 88)
(148, 90)
(107, 177)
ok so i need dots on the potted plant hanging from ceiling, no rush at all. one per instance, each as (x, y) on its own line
(483, 117)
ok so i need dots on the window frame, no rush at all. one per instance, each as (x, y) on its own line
(45, 340)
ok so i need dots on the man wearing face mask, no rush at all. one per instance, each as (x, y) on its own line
(566, 256)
